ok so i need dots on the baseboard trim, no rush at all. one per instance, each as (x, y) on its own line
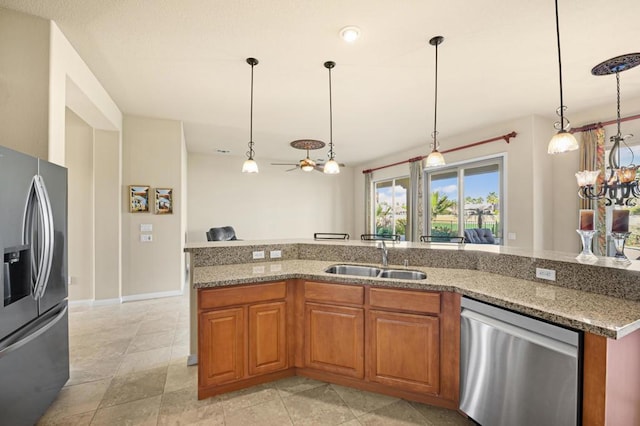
(192, 359)
(105, 302)
(92, 302)
(146, 296)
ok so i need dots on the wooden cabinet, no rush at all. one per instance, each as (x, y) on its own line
(334, 328)
(267, 338)
(242, 334)
(334, 339)
(405, 351)
(404, 339)
(222, 333)
(399, 342)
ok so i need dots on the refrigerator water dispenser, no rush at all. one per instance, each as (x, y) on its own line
(17, 273)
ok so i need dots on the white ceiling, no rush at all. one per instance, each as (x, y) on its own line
(185, 60)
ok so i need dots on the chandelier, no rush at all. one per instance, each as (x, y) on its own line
(620, 184)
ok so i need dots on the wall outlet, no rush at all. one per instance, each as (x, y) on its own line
(71, 280)
(146, 238)
(511, 236)
(146, 227)
(258, 254)
(546, 274)
(275, 254)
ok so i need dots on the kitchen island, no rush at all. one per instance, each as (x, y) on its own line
(600, 299)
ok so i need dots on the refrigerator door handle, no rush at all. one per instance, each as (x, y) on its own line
(23, 337)
(43, 241)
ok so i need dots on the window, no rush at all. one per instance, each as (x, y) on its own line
(628, 155)
(391, 207)
(465, 196)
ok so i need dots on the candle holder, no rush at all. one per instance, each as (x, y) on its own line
(586, 237)
(619, 240)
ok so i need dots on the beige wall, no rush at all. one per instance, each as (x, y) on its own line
(24, 82)
(271, 204)
(79, 160)
(106, 171)
(152, 151)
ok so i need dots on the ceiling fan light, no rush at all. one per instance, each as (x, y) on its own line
(562, 141)
(250, 166)
(307, 164)
(331, 167)
(435, 159)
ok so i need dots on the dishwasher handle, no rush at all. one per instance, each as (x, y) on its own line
(522, 333)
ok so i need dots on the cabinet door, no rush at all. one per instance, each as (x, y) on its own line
(405, 351)
(267, 338)
(334, 339)
(221, 346)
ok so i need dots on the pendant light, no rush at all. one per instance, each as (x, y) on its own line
(563, 141)
(250, 165)
(435, 158)
(331, 167)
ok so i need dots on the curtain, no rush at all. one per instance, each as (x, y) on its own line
(592, 158)
(416, 210)
(368, 209)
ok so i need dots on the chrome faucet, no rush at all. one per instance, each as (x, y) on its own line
(385, 253)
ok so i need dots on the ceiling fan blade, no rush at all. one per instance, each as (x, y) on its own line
(284, 164)
(292, 169)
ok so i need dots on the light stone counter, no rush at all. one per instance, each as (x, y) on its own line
(599, 314)
(601, 297)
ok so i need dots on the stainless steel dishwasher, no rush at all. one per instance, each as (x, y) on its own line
(515, 370)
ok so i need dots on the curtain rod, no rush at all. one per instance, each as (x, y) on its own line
(506, 138)
(593, 126)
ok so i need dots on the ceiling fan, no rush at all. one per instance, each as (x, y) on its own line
(306, 164)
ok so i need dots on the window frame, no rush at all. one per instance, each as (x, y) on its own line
(374, 184)
(499, 159)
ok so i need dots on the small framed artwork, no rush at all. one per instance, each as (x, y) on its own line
(138, 198)
(164, 200)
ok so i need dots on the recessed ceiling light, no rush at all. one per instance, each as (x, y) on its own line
(350, 34)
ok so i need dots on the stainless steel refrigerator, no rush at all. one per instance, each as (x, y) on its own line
(34, 333)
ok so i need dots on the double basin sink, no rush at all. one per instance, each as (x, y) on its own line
(376, 272)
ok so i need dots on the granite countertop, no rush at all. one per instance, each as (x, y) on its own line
(598, 314)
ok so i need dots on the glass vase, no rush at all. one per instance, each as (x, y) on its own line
(587, 238)
(619, 240)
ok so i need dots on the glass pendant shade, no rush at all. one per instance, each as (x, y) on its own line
(562, 141)
(331, 167)
(435, 159)
(250, 166)
(587, 177)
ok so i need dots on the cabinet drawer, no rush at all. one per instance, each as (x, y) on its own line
(218, 297)
(405, 300)
(334, 293)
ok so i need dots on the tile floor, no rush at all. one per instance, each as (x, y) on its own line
(128, 367)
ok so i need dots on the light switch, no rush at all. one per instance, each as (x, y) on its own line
(146, 238)
(146, 227)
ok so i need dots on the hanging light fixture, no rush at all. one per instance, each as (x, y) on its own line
(331, 167)
(563, 141)
(620, 186)
(250, 165)
(435, 158)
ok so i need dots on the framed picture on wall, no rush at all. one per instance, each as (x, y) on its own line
(138, 198)
(164, 200)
